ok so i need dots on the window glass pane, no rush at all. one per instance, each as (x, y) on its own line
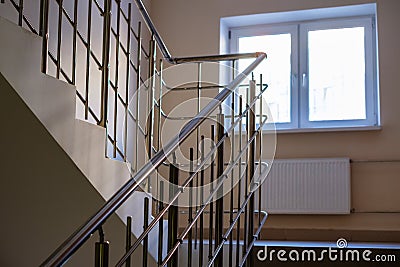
(336, 59)
(276, 71)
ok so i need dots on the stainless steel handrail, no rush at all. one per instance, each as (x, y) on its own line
(62, 253)
(65, 250)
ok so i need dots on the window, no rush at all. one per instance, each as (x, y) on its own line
(320, 73)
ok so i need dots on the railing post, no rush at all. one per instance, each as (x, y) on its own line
(201, 240)
(88, 49)
(145, 225)
(232, 176)
(59, 36)
(161, 225)
(116, 79)
(250, 168)
(20, 12)
(74, 41)
(105, 79)
(239, 201)
(150, 95)
(101, 251)
(259, 148)
(173, 215)
(127, 80)
(138, 82)
(219, 212)
(128, 239)
(44, 32)
(190, 213)
(211, 217)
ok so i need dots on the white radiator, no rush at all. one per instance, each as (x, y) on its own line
(307, 186)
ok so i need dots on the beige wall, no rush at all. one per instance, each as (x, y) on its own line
(43, 196)
(192, 28)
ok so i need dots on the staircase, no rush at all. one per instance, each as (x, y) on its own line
(123, 181)
(53, 103)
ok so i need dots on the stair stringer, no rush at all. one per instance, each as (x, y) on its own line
(54, 102)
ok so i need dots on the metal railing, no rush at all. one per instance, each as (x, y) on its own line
(239, 170)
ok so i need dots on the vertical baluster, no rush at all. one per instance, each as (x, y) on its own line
(250, 169)
(128, 239)
(127, 81)
(145, 225)
(44, 32)
(160, 224)
(88, 48)
(74, 38)
(245, 181)
(150, 99)
(232, 179)
(59, 37)
(219, 212)
(190, 215)
(102, 249)
(201, 241)
(138, 66)
(160, 106)
(20, 12)
(159, 115)
(239, 202)
(211, 217)
(173, 214)
(116, 80)
(199, 77)
(105, 62)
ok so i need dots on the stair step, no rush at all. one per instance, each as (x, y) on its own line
(54, 103)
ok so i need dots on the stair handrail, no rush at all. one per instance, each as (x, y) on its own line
(66, 249)
(77, 239)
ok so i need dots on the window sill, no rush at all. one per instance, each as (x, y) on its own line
(333, 129)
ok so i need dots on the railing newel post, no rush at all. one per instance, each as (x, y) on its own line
(230, 257)
(250, 169)
(190, 213)
(116, 79)
(127, 80)
(260, 135)
(219, 212)
(138, 73)
(150, 103)
(240, 181)
(173, 213)
(105, 73)
(74, 41)
(145, 225)
(44, 32)
(211, 217)
(102, 249)
(128, 239)
(20, 12)
(161, 225)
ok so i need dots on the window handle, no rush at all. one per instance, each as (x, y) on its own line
(303, 80)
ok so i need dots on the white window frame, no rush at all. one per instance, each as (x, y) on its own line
(299, 94)
(268, 30)
(370, 77)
